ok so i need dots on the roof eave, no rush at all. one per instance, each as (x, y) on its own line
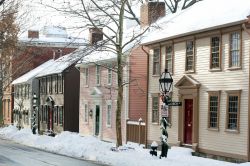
(193, 32)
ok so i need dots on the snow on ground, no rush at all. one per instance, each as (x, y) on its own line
(91, 148)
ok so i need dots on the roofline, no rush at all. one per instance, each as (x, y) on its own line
(194, 32)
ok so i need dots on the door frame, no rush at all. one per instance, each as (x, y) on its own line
(188, 88)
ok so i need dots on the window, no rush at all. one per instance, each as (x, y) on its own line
(235, 54)
(169, 58)
(44, 86)
(109, 76)
(86, 115)
(8, 100)
(41, 113)
(28, 91)
(190, 55)
(213, 109)
(25, 91)
(233, 110)
(155, 109)
(60, 115)
(49, 84)
(86, 76)
(109, 114)
(98, 81)
(60, 83)
(55, 114)
(215, 53)
(55, 83)
(156, 62)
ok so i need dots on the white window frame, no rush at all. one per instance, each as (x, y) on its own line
(109, 80)
(109, 115)
(86, 76)
(98, 74)
(86, 113)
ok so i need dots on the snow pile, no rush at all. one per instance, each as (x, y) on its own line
(91, 148)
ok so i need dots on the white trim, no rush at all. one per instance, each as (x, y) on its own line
(109, 103)
(136, 123)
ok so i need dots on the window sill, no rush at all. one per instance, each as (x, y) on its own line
(156, 75)
(108, 126)
(234, 68)
(215, 70)
(86, 86)
(189, 72)
(213, 129)
(232, 131)
(155, 123)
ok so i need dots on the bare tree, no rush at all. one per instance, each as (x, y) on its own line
(110, 18)
(173, 5)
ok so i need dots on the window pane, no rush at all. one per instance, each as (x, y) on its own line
(233, 112)
(235, 49)
(189, 55)
(169, 53)
(156, 61)
(109, 115)
(215, 52)
(213, 112)
(85, 113)
(155, 110)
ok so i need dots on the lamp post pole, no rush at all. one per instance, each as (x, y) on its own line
(165, 85)
(35, 102)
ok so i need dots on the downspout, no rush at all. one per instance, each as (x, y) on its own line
(248, 147)
(146, 123)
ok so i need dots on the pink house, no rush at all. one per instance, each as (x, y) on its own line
(98, 96)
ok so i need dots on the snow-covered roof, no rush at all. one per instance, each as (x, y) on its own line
(52, 34)
(62, 63)
(31, 74)
(202, 16)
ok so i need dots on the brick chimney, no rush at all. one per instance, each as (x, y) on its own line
(95, 35)
(151, 11)
(33, 34)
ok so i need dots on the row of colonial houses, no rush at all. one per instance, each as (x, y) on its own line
(208, 58)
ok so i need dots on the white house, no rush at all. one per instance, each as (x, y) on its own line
(206, 48)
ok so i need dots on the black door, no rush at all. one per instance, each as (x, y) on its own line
(97, 119)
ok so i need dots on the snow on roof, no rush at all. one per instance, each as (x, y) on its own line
(52, 34)
(204, 15)
(97, 56)
(60, 64)
(31, 74)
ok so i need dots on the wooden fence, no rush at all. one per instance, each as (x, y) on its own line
(136, 132)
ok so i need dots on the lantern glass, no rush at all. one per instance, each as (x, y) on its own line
(165, 82)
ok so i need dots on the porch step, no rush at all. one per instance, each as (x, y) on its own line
(187, 146)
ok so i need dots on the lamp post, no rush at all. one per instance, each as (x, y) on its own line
(35, 104)
(165, 85)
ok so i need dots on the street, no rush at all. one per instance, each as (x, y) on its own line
(13, 154)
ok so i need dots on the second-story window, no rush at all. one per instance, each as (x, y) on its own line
(190, 55)
(235, 45)
(169, 57)
(49, 84)
(98, 75)
(86, 81)
(215, 53)
(109, 76)
(156, 61)
(55, 83)
(60, 83)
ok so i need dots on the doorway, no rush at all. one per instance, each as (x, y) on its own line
(188, 121)
(97, 120)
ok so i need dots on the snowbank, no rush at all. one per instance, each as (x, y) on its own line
(91, 148)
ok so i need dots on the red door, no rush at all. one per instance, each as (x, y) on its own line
(188, 124)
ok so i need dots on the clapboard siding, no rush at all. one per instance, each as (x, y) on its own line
(224, 80)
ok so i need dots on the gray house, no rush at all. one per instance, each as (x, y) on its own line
(24, 89)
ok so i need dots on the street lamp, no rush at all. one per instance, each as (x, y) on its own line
(165, 85)
(35, 104)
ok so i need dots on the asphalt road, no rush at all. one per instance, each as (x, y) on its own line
(13, 154)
